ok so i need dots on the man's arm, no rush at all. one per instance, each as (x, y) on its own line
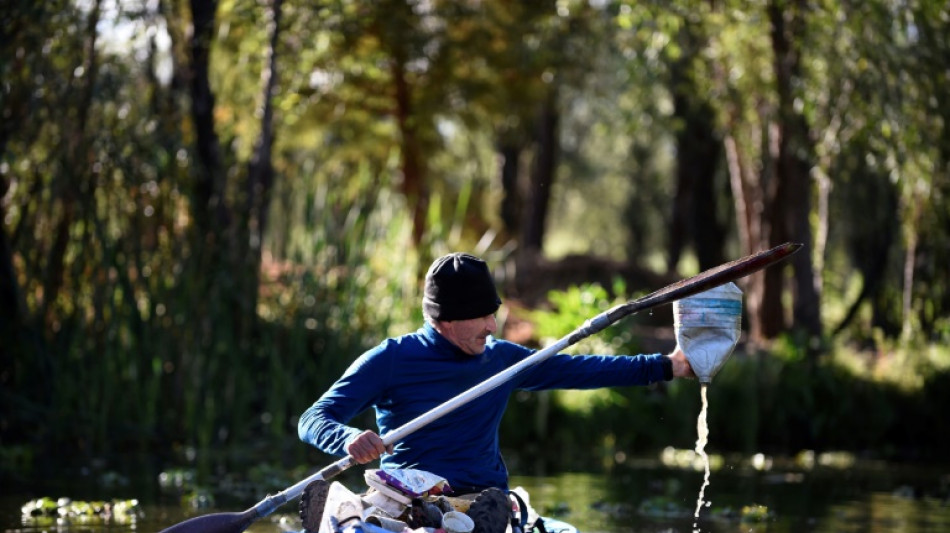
(323, 425)
(326, 431)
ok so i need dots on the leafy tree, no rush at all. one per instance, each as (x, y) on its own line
(244, 194)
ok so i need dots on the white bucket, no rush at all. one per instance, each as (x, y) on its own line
(707, 327)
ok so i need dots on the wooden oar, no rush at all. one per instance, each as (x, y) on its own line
(237, 522)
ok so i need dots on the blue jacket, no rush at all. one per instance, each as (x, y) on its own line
(407, 376)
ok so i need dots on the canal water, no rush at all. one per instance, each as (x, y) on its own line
(826, 494)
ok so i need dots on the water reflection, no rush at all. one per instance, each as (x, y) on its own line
(646, 497)
(878, 499)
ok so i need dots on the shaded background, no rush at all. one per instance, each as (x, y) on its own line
(210, 208)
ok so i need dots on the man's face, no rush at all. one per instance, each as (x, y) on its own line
(469, 335)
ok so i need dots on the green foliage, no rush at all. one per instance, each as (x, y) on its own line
(63, 512)
(572, 307)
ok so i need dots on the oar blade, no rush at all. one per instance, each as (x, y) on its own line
(215, 523)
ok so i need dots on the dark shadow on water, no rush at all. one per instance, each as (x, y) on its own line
(638, 496)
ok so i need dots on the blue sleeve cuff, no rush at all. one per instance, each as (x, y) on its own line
(667, 364)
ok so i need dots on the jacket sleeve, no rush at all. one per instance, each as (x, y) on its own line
(562, 371)
(323, 424)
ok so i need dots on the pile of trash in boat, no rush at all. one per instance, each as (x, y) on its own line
(414, 501)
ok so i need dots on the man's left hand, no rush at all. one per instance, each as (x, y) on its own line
(681, 366)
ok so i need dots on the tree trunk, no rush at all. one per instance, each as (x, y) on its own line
(212, 302)
(794, 162)
(772, 215)
(11, 309)
(695, 211)
(512, 203)
(542, 176)
(210, 210)
(910, 265)
(749, 198)
(260, 179)
(695, 218)
(773, 205)
(414, 186)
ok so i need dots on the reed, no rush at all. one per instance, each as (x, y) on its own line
(149, 354)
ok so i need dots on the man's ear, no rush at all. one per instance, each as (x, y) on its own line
(440, 325)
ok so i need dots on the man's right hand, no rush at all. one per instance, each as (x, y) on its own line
(366, 447)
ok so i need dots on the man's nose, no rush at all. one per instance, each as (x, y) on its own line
(491, 325)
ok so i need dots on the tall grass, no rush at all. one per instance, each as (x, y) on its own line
(149, 355)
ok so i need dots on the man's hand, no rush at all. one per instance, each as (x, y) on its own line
(366, 447)
(681, 366)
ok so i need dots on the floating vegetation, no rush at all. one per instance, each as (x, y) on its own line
(689, 459)
(755, 514)
(64, 511)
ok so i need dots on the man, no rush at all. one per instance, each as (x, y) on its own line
(406, 376)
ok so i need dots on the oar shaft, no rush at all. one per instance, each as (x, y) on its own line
(326, 472)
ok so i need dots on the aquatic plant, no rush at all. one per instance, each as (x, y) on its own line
(63, 511)
(755, 514)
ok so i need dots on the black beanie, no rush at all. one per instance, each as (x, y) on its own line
(459, 287)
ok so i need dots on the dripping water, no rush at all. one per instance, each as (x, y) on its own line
(702, 430)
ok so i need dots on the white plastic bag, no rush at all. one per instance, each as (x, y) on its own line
(707, 326)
